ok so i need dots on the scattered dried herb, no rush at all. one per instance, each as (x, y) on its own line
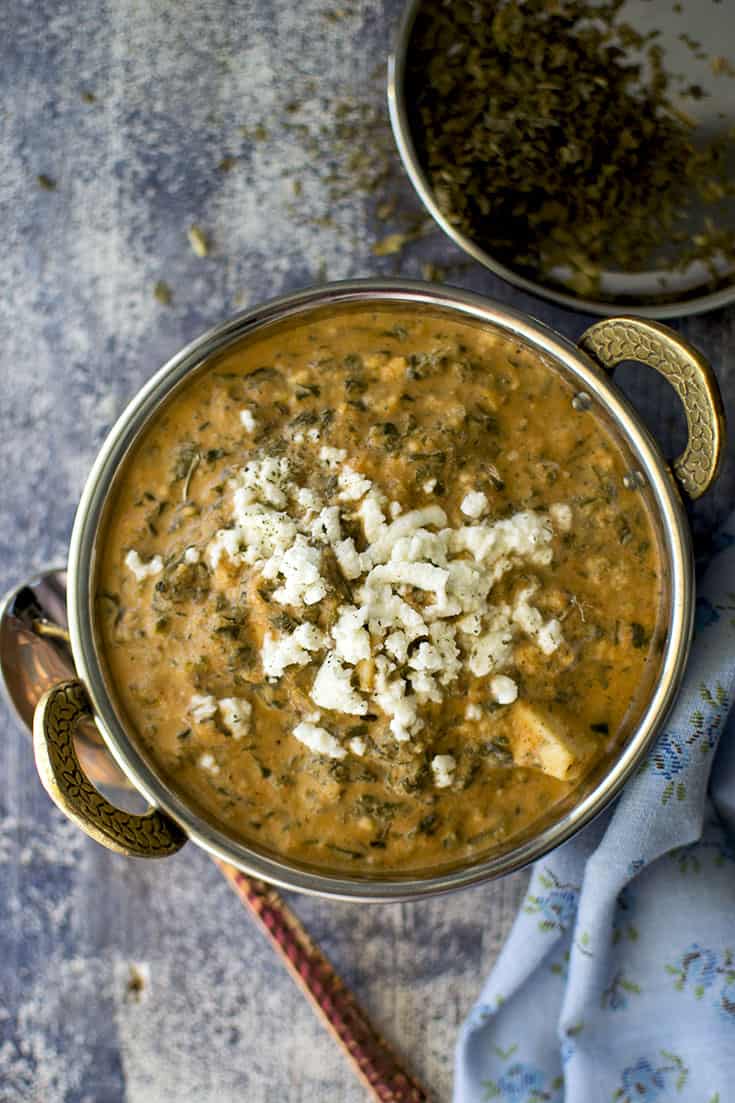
(428, 824)
(46, 182)
(198, 241)
(162, 292)
(549, 138)
(186, 454)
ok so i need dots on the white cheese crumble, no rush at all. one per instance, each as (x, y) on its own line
(326, 528)
(443, 766)
(561, 515)
(267, 480)
(333, 688)
(396, 644)
(307, 499)
(202, 707)
(474, 504)
(547, 636)
(207, 762)
(299, 567)
(318, 740)
(503, 689)
(352, 642)
(140, 569)
(370, 511)
(191, 555)
(248, 421)
(421, 606)
(235, 713)
(332, 457)
(279, 652)
(348, 558)
(352, 484)
(390, 695)
(493, 647)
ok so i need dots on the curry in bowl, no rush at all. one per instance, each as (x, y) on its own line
(378, 591)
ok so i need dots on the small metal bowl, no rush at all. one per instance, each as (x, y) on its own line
(635, 293)
(174, 819)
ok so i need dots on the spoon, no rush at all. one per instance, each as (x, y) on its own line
(35, 653)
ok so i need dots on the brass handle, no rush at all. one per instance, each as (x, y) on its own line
(690, 375)
(152, 835)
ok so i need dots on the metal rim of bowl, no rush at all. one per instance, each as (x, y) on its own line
(398, 112)
(675, 538)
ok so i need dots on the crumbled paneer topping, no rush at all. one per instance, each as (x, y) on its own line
(299, 566)
(421, 612)
(207, 762)
(248, 421)
(429, 486)
(474, 504)
(191, 555)
(319, 740)
(473, 712)
(235, 713)
(326, 528)
(333, 689)
(442, 766)
(352, 485)
(561, 515)
(351, 639)
(331, 457)
(307, 499)
(266, 480)
(140, 569)
(279, 652)
(547, 635)
(503, 689)
(202, 707)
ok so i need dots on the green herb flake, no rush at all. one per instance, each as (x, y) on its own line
(162, 292)
(198, 241)
(550, 137)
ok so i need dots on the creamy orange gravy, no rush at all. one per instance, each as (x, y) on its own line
(428, 411)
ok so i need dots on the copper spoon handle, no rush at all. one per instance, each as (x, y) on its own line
(369, 1054)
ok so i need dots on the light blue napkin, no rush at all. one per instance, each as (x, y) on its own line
(617, 982)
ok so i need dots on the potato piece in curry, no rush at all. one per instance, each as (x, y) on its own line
(374, 594)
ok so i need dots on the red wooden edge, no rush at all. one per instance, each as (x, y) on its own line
(375, 1063)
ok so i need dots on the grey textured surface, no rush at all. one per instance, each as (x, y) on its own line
(177, 87)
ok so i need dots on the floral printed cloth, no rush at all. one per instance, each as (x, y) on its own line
(617, 983)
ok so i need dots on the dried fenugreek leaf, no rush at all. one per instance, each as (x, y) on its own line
(549, 137)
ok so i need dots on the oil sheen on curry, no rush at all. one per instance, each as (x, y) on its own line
(374, 593)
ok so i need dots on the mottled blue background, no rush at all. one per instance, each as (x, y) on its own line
(177, 87)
